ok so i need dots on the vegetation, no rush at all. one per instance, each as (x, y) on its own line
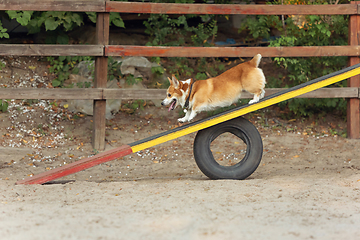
(169, 31)
(4, 105)
(307, 30)
(194, 30)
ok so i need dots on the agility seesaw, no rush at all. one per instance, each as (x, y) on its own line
(208, 129)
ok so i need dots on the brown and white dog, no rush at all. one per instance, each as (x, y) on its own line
(220, 91)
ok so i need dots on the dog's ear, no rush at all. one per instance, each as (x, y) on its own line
(175, 81)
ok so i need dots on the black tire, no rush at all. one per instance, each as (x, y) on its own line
(241, 128)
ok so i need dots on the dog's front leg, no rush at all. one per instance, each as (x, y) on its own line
(185, 118)
(192, 115)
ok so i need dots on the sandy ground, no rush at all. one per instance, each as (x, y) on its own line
(306, 187)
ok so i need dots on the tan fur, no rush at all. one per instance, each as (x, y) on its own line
(219, 91)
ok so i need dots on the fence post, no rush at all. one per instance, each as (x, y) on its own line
(353, 115)
(101, 70)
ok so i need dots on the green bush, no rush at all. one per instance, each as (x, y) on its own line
(3, 34)
(314, 31)
(4, 104)
(63, 66)
(57, 23)
(165, 30)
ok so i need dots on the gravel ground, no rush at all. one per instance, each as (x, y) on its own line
(306, 187)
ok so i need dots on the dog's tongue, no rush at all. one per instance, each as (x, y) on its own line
(171, 106)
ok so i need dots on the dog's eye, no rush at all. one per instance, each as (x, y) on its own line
(169, 95)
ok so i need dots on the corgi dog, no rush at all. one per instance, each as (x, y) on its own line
(220, 91)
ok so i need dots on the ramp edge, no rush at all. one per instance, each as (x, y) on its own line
(77, 166)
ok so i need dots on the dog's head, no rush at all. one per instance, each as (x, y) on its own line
(176, 93)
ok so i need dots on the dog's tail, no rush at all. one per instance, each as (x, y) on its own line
(256, 60)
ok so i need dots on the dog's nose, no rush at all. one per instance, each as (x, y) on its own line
(162, 103)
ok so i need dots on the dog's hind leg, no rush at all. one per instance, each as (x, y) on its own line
(258, 96)
(262, 93)
(255, 99)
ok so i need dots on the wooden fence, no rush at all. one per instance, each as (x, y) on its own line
(102, 50)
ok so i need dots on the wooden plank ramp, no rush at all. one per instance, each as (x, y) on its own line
(193, 127)
(77, 166)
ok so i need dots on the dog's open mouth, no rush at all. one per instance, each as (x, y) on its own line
(172, 105)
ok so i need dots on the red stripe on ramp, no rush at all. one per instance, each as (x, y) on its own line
(77, 166)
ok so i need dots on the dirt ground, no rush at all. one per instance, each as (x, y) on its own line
(306, 187)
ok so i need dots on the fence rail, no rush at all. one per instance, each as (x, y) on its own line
(54, 5)
(148, 94)
(314, 51)
(129, 50)
(50, 50)
(180, 8)
(102, 50)
(176, 8)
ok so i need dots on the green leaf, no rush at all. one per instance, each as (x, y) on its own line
(67, 19)
(51, 24)
(22, 17)
(116, 19)
(200, 76)
(56, 83)
(75, 70)
(41, 19)
(62, 58)
(119, 22)
(25, 19)
(5, 106)
(91, 16)
(77, 18)
(12, 14)
(54, 14)
(66, 68)
(67, 26)
(221, 67)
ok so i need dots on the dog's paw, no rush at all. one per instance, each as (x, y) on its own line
(182, 120)
(252, 101)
